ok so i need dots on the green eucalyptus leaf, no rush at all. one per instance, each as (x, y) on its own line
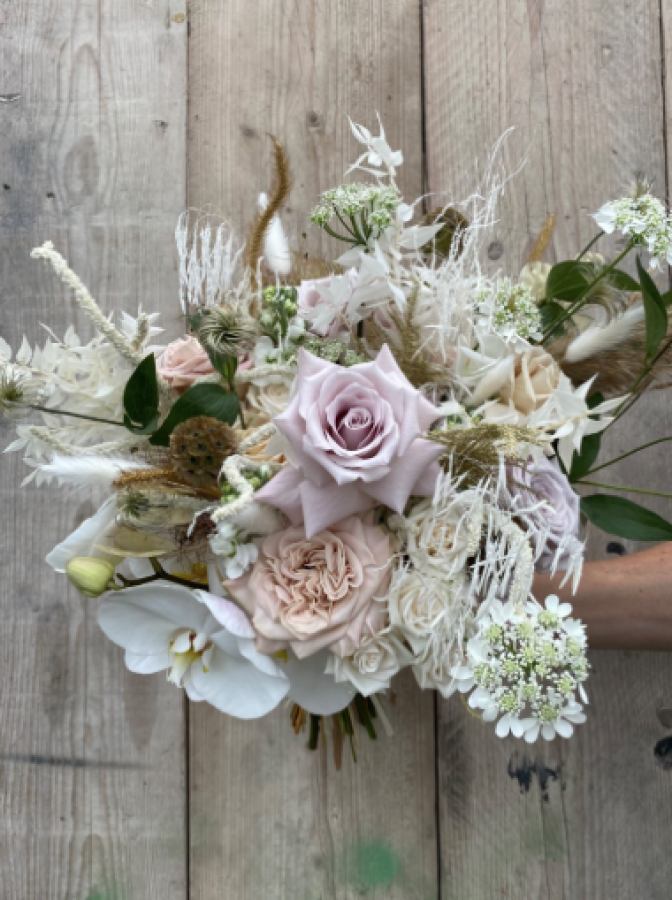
(655, 310)
(625, 519)
(567, 281)
(200, 400)
(623, 281)
(141, 398)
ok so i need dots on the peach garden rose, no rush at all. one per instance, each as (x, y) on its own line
(182, 362)
(317, 593)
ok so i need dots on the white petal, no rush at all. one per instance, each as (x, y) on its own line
(532, 733)
(81, 541)
(227, 614)
(135, 629)
(563, 728)
(503, 726)
(547, 732)
(312, 689)
(147, 664)
(236, 687)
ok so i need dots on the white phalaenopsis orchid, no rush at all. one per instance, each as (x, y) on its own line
(204, 642)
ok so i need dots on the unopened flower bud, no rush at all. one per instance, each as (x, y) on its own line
(90, 575)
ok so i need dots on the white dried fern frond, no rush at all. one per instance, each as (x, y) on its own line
(209, 259)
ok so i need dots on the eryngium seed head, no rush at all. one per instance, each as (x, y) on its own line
(18, 391)
(225, 331)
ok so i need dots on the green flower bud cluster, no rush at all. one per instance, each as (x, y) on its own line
(333, 351)
(256, 479)
(364, 211)
(280, 307)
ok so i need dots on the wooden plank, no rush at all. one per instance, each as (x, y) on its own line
(268, 818)
(92, 153)
(582, 83)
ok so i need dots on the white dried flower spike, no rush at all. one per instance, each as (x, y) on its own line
(528, 663)
(644, 220)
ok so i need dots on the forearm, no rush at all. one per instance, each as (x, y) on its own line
(626, 603)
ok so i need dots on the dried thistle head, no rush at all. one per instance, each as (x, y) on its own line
(225, 331)
(18, 391)
(198, 448)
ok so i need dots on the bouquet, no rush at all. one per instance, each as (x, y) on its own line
(347, 468)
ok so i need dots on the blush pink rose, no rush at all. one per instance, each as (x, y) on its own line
(317, 593)
(355, 437)
(182, 362)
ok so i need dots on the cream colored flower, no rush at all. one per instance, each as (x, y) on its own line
(266, 401)
(415, 606)
(534, 378)
(534, 276)
(374, 663)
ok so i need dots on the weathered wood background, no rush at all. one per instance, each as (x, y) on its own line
(113, 117)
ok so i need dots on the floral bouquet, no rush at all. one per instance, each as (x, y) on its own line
(347, 468)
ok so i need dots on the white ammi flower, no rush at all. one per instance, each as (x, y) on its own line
(644, 220)
(204, 642)
(527, 662)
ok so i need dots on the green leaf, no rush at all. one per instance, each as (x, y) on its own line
(625, 519)
(201, 400)
(590, 446)
(667, 298)
(655, 310)
(567, 281)
(141, 398)
(623, 281)
(549, 312)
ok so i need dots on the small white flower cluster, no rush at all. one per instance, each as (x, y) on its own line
(511, 310)
(375, 203)
(229, 544)
(528, 659)
(644, 220)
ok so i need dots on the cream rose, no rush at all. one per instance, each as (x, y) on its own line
(265, 401)
(182, 362)
(317, 593)
(534, 378)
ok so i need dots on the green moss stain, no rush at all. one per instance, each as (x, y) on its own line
(374, 864)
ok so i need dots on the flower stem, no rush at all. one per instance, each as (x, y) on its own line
(582, 298)
(64, 412)
(629, 453)
(160, 574)
(589, 245)
(339, 237)
(623, 487)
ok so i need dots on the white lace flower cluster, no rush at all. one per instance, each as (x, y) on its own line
(644, 220)
(527, 664)
(511, 310)
(376, 203)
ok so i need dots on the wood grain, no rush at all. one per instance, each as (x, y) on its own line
(268, 818)
(582, 84)
(92, 154)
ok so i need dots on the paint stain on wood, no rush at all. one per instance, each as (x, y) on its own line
(526, 771)
(663, 753)
(376, 865)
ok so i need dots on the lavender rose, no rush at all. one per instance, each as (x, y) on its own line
(543, 480)
(355, 441)
(317, 593)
